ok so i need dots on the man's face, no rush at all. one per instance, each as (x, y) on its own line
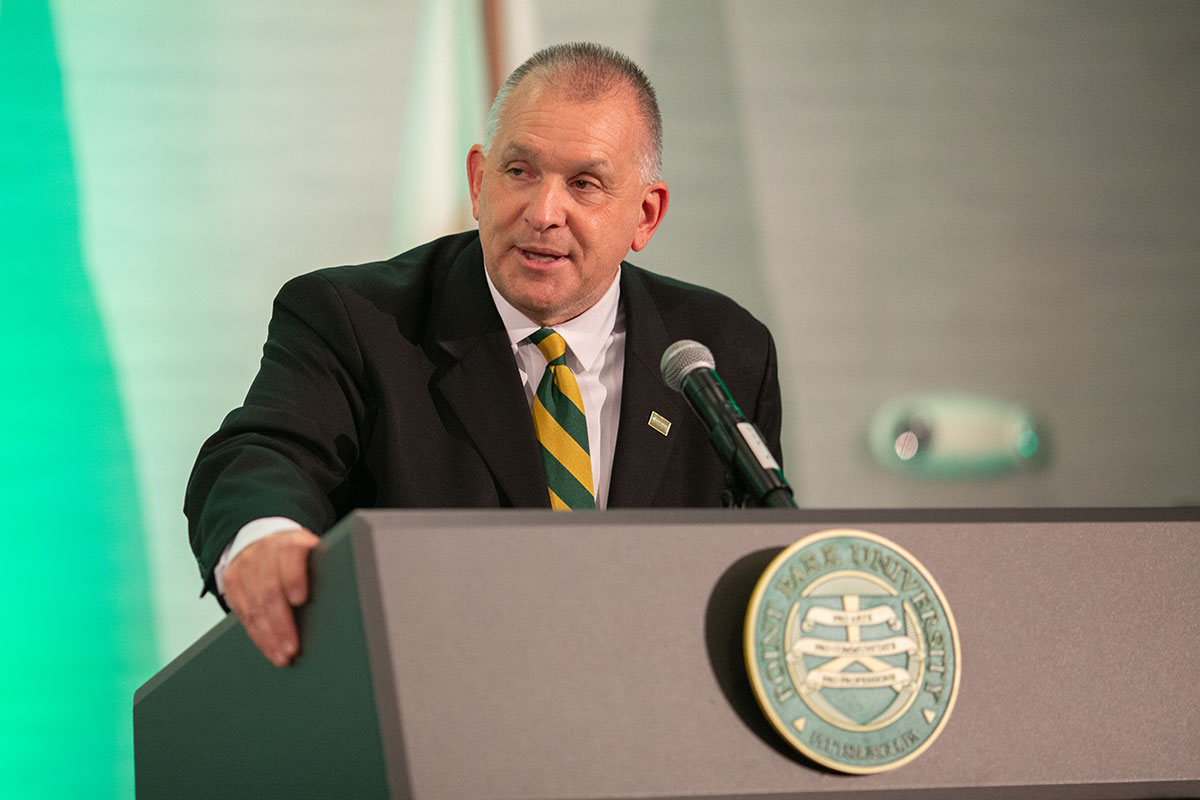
(559, 199)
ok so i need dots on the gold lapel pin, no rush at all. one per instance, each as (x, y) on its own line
(659, 423)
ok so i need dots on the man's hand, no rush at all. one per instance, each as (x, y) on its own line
(264, 582)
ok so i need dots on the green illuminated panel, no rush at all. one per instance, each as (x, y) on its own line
(77, 637)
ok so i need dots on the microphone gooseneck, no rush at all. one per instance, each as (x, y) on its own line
(688, 367)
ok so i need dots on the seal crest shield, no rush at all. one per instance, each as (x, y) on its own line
(852, 651)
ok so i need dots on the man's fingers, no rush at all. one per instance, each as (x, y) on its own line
(267, 618)
(272, 627)
(293, 565)
(263, 583)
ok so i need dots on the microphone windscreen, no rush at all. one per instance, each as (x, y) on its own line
(681, 358)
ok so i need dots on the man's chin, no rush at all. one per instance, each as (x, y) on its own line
(545, 311)
(540, 299)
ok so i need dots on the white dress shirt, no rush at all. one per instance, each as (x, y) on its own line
(595, 353)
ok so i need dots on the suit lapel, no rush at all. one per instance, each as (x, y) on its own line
(480, 382)
(642, 452)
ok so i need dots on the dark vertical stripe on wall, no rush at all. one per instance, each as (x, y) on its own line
(77, 633)
(710, 225)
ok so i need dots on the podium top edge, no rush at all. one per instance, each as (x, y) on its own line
(831, 516)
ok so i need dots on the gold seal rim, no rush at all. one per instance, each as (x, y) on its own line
(749, 651)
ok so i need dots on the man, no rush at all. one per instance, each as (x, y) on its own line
(410, 382)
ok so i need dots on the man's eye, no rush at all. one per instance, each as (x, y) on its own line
(583, 184)
(516, 172)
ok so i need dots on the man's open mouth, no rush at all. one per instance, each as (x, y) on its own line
(540, 256)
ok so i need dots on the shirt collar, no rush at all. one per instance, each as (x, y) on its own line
(585, 334)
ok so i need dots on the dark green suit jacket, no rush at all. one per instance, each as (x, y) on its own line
(394, 385)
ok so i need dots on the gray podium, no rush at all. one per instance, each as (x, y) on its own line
(464, 655)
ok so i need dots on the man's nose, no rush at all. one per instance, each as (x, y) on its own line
(547, 205)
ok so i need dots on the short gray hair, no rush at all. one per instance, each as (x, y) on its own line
(588, 71)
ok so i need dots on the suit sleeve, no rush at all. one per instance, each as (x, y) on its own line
(289, 449)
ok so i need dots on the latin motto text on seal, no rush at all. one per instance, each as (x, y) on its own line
(852, 651)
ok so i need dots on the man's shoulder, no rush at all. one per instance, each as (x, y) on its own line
(412, 269)
(680, 301)
(406, 290)
(407, 286)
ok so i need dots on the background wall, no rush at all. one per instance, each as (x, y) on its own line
(984, 198)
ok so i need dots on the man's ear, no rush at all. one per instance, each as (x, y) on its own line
(476, 161)
(654, 208)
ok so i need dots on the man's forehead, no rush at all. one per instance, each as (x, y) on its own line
(519, 150)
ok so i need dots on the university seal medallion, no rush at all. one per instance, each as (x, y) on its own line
(852, 651)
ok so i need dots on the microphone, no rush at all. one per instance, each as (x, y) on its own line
(688, 367)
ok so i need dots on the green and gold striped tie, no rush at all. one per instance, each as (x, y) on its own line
(561, 428)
